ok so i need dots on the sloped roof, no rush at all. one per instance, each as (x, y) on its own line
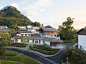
(5, 29)
(81, 30)
(40, 38)
(48, 29)
(22, 31)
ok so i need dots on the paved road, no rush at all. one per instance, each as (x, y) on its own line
(41, 59)
(57, 57)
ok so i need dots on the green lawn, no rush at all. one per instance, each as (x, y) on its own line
(44, 50)
(16, 58)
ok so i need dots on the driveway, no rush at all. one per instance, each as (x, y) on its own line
(35, 56)
(57, 57)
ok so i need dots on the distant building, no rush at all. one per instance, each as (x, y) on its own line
(2, 27)
(37, 40)
(22, 27)
(48, 32)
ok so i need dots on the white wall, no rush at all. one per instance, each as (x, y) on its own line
(47, 42)
(41, 41)
(25, 33)
(19, 40)
(31, 41)
(82, 41)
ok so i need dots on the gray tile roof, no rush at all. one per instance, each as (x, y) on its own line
(81, 30)
(6, 29)
(22, 31)
(49, 29)
(39, 38)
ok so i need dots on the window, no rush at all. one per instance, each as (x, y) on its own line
(22, 34)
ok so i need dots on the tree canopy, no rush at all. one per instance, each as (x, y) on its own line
(76, 56)
(4, 41)
(48, 26)
(15, 27)
(9, 15)
(66, 30)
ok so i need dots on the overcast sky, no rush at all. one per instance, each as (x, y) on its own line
(51, 12)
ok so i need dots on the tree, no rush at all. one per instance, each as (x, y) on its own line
(76, 56)
(25, 39)
(15, 27)
(48, 26)
(12, 32)
(66, 29)
(4, 41)
(36, 24)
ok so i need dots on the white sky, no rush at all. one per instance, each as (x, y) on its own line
(51, 12)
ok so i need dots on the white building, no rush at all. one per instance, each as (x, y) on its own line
(82, 39)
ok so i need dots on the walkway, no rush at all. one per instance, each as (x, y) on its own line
(35, 56)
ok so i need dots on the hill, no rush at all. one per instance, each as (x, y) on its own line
(10, 15)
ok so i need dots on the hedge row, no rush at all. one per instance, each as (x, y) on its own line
(18, 44)
(67, 41)
(44, 48)
(47, 53)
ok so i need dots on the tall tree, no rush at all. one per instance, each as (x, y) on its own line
(4, 41)
(66, 29)
(36, 24)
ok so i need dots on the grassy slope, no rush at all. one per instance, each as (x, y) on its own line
(13, 56)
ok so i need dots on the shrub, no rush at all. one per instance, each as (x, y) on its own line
(18, 44)
(48, 52)
(76, 56)
(67, 41)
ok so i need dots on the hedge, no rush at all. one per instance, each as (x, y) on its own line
(47, 53)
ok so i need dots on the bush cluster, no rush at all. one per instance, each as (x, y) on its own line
(76, 56)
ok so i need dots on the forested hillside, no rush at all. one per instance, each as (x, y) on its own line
(9, 15)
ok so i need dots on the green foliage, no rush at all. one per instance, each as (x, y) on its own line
(36, 24)
(46, 46)
(25, 39)
(4, 41)
(18, 58)
(45, 50)
(11, 32)
(48, 26)
(18, 45)
(14, 27)
(66, 30)
(76, 56)
(10, 53)
(65, 41)
(10, 62)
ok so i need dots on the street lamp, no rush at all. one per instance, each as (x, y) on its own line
(67, 60)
